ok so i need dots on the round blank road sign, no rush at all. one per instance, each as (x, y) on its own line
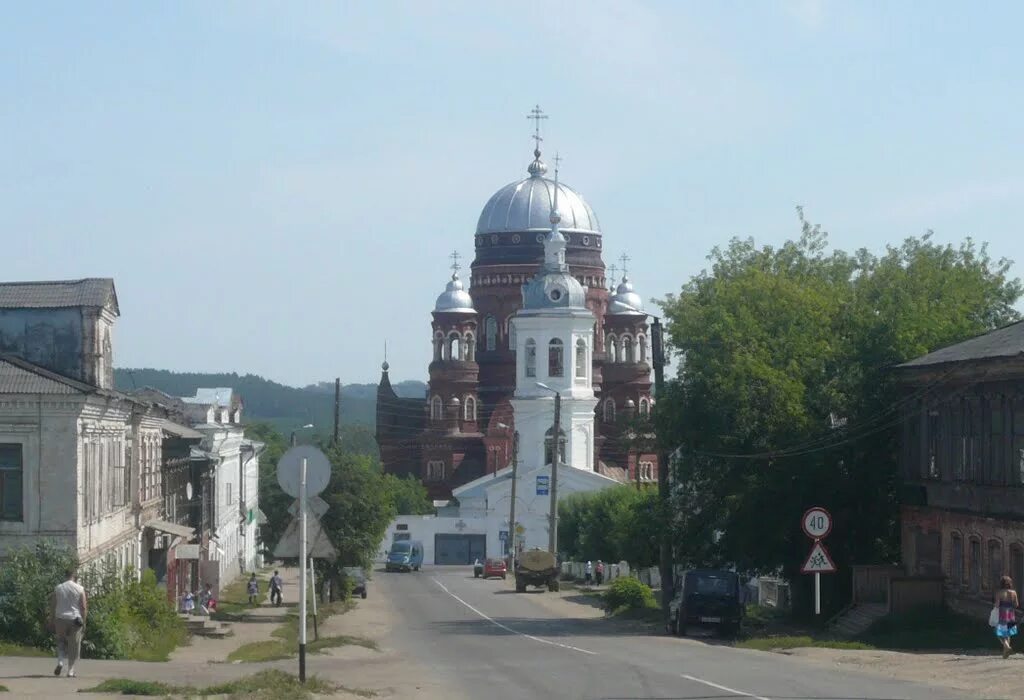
(817, 523)
(289, 470)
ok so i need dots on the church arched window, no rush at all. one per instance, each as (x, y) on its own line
(490, 332)
(548, 446)
(628, 354)
(455, 346)
(609, 410)
(531, 357)
(436, 408)
(438, 345)
(612, 348)
(556, 358)
(645, 406)
(470, 347)
(581, 358)
(470, 408)
(641, 341)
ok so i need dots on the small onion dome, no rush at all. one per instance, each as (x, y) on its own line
(455, 298)
(385, 366)
(630, 403)
(626, 301)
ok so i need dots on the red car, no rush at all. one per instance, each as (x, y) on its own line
(495, 567)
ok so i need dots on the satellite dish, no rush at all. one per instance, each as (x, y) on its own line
(188, 491)
(289, 470)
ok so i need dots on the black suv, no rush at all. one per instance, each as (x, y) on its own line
(709, 598)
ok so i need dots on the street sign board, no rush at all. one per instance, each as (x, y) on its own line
(289, 470)
(543, 484)
(317, 544)
(817, 523)
(315, 508)
(502, 535)
(818, 561)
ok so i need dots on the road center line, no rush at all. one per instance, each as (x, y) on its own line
(724, 688)
(509, 629)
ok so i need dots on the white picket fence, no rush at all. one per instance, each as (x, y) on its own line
(577, 570)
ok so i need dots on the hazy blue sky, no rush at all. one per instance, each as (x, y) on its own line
(276, 187)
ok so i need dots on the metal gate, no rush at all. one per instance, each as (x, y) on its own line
(459, 549)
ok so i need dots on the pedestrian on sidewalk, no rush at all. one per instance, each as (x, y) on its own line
(254, 590)
(588, 572)
(1006, 604)
(188, 603)
(207, 603)
(599, 572)
(69, 610)
(275, 589)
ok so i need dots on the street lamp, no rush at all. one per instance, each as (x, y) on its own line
(512, 506)
(306, 426)
(556, 453)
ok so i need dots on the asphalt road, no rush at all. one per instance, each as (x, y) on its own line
(485, 640)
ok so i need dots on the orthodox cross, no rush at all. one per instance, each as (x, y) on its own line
(558, 161)
(624, 259)
(536, 115)
(455, 261)
(611, 274)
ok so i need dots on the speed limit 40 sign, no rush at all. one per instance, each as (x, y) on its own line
(817, 523)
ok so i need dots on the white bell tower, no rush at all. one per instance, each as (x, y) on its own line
(554, 334)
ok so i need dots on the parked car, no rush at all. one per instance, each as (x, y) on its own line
(707, 598)
(406, 555)
(358, 575)
(495, 567)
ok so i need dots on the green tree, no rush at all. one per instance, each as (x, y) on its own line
(408, 495)
(620, 523)
(783, 397)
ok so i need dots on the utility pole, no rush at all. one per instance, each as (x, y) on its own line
(556, 443)
(337, 408)
(512, 508)
(666, 560)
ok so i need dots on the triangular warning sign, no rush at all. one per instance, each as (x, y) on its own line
(818, 561)
(318, 545)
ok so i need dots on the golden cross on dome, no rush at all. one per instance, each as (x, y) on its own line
(536, 114)
(624, 259)
(455, 261)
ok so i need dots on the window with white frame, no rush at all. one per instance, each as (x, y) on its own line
(12, 468)
(646, 471)
(531, 358)
(641, 342)
(435, 470)
(491, 332)
(612, 348)
(556, 358)
(438, 346)
(581, 358)
(470, 348)
(436, 408)
(645, 406)
(609, 410)
(627, 349)
(470, 408)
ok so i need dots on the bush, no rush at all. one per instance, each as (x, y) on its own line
(628, 593)
(27, 579)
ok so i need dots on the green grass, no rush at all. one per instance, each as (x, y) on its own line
(286, 638)
(794, 642)
(930, 629)
(11, 649)
(3, 689)
(234, 598)
(266, 685)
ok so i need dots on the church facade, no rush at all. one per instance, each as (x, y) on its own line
(528, 318)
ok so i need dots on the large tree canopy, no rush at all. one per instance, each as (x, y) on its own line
(783, 397)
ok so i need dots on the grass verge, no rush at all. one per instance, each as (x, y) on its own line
(3, 689)
(234, 598)
(930, 629)
(11, 649)
(286, 638)
(791, 642)
(266, 685)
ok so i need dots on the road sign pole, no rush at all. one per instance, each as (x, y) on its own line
(817, 594)
(312, 588)
(511, 541)
(302, 573)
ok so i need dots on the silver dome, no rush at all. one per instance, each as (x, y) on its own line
(526, 206)
(455, 299)
(626, 301)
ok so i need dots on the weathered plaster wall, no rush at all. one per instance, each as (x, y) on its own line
(51, 338)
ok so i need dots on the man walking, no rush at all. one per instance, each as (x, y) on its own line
(275, 589)
(69, 611)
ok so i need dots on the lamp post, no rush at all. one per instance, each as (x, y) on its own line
(512, 506)
(556, 454)
(292, 441)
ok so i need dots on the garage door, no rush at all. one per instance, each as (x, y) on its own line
(459, 549)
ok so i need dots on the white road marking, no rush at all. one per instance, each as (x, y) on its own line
(509, 629)
(722, 687)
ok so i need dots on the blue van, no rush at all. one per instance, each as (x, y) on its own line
(404, 556)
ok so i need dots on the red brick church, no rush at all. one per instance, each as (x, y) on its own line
(463, 428)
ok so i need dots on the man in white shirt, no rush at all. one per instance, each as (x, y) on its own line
(70, 609)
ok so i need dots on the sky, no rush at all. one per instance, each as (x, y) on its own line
(276, 187)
